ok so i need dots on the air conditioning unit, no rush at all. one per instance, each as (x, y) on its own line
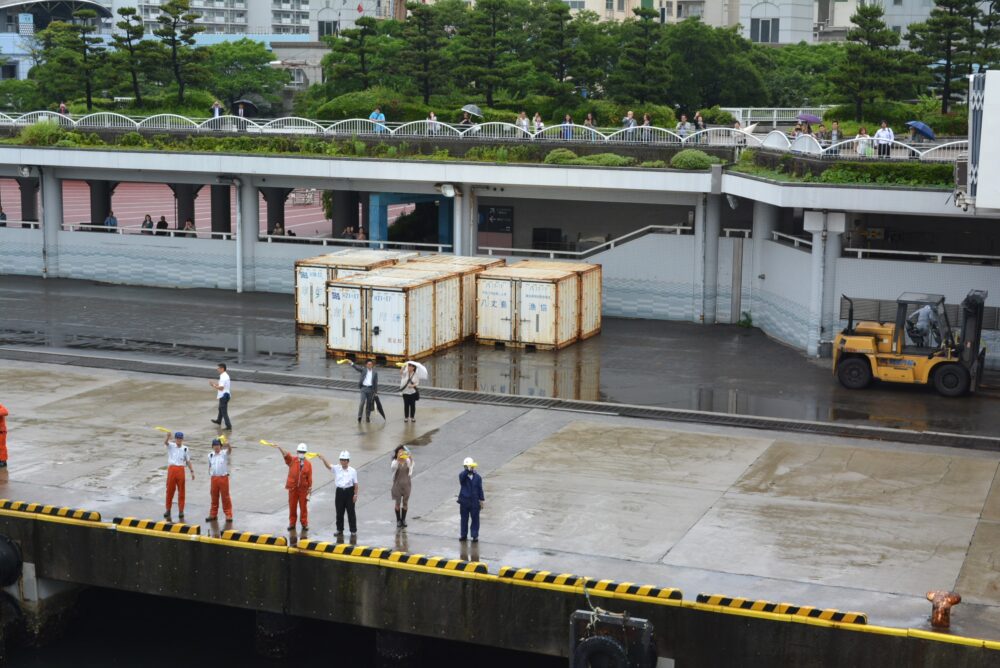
(962, 198)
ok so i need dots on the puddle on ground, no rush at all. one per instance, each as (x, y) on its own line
(423, 439)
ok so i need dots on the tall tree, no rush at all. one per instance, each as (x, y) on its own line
(422, 54)
(489, 49)
(352, 61)
(56, 53)
(241, 68)
(554, 48)
(177, 30)
(596, 53)
(945, 39)
(641, 74)
(127, 45)
(988, 55)
(91, 48)
(874, 68)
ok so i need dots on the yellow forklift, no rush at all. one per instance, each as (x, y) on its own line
(920, 347)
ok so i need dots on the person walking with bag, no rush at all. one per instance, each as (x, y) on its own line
(408, 382)
(402, 472)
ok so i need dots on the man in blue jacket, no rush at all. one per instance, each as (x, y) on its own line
(470, 498)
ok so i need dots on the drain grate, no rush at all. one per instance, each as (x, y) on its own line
(518, 401)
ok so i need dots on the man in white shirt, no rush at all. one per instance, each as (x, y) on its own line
(883, 140)
(223, 389)
(177, 458)
(346, 479)
(368, 386)
(218, 469)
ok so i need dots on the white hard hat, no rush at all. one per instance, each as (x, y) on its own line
(344, 454)
(469, 461)
(302, 448)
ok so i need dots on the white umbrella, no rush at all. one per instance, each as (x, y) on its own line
(421, 369)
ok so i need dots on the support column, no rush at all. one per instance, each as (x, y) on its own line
(446, 212)
(698, 277)
(377, 227)
(458, 222)
(344, 210)
(365, 222)
(100, 200)
(222, 214)
(836, 224)
(815, 222)
(470, 235)
(765, 221)
(275, 198)
(29, 198)
(184, 196)
(713, 224)
(247, 233)
(52, 220)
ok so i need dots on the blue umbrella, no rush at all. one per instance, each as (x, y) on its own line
(922, 128)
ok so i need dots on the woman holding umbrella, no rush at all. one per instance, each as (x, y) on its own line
(410, 376)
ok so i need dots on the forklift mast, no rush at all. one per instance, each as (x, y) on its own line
(972, 329)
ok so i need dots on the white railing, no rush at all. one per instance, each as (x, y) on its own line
(858, 148)
(931, 255)
(139, 230)
(355, 243)
(21, 224)
(607, 245)
(796, 241)
(772, 115)
(744, 232)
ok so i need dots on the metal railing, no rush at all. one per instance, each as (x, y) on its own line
(744, 232)
(21, 224)
(795, 241)
(858, 148)
(933, 256)
(145, 231)
(579, 255)
(356, 243)
(772, 115)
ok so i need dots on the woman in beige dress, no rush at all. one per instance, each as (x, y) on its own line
(402, 470)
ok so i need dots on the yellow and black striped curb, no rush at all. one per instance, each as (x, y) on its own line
(158, 525)
(56, 511)
(827, 614)
(254, 538)
(437, 562)
(541, 577)
(630, 589)
(344, 549)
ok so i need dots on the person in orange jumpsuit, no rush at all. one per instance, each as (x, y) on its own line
(3, 436)
(218, 469)
(299, 484)
(178, 457)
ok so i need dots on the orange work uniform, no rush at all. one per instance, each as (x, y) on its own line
(177, 458)
(3, 433)
(300, 480)
(218, 468)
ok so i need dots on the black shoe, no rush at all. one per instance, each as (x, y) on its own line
(354, 533)
(368, 419)
(305, 527)
(291, 528)
(359, 419)
(462, 539)
(181, 517)
(3, 463)
(475, 540)
(216, 421)
(166, 515)
(229, 427)
(211, 519)
(399, 524)
(229, 520)
(340, 532)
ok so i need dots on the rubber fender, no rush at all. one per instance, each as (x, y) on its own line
(10, 561)
(599, 651)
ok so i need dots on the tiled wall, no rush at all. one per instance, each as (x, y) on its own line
(649, 278)
(781, 306)
(20, 251)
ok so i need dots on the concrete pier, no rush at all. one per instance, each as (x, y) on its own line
(849, 525)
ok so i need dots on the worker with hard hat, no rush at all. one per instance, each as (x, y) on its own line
(218, 469)
(346, 479)
(178, 457)
(470, 499)
(299, 485)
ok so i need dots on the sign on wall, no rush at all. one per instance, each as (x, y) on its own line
(496, 226)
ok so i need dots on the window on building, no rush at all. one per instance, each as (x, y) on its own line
(621, 5)
(575, 4)
(898, 3)
(898, 30)
(764, 30)
(609, 5)
(327, 28)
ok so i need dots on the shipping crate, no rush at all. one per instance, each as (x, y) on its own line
(312, 274)
(527, 307)
(590, 277)
(467, 267)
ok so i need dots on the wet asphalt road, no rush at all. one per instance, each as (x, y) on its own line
(720, 368)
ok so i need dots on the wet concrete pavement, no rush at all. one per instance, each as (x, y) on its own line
(801, 519)
(671, 364)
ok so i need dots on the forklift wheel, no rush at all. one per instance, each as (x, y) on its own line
(952, 380)
(854, 373)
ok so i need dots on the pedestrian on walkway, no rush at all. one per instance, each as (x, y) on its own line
(470, 499)
(223, 393)
(218, 469)
(368, 384)
(111, 222)
(408, 388)
(402, 472)
(161, 226)
(299, 485)
(178, 457)
(3, 436)
(346, 479)
(884, 139)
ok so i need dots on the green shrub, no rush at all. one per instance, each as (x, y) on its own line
(716, 116)
(42, 133)
(66, 143)
(692, 158)
(560, 156)
(890, 173)
(604, 160)
(396, 106)
(653, 164)
(928, 110)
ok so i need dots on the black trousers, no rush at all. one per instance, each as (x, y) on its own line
(224, 411)
(409, 405)
(345, 501)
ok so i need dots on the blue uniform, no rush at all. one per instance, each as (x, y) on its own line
(469, 498)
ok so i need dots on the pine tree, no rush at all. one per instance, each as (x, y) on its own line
(422, 56)
(641, 74)
(177, 30)
(946, 39)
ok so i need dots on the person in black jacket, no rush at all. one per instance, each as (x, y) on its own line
(470, 499)
(368, 384)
